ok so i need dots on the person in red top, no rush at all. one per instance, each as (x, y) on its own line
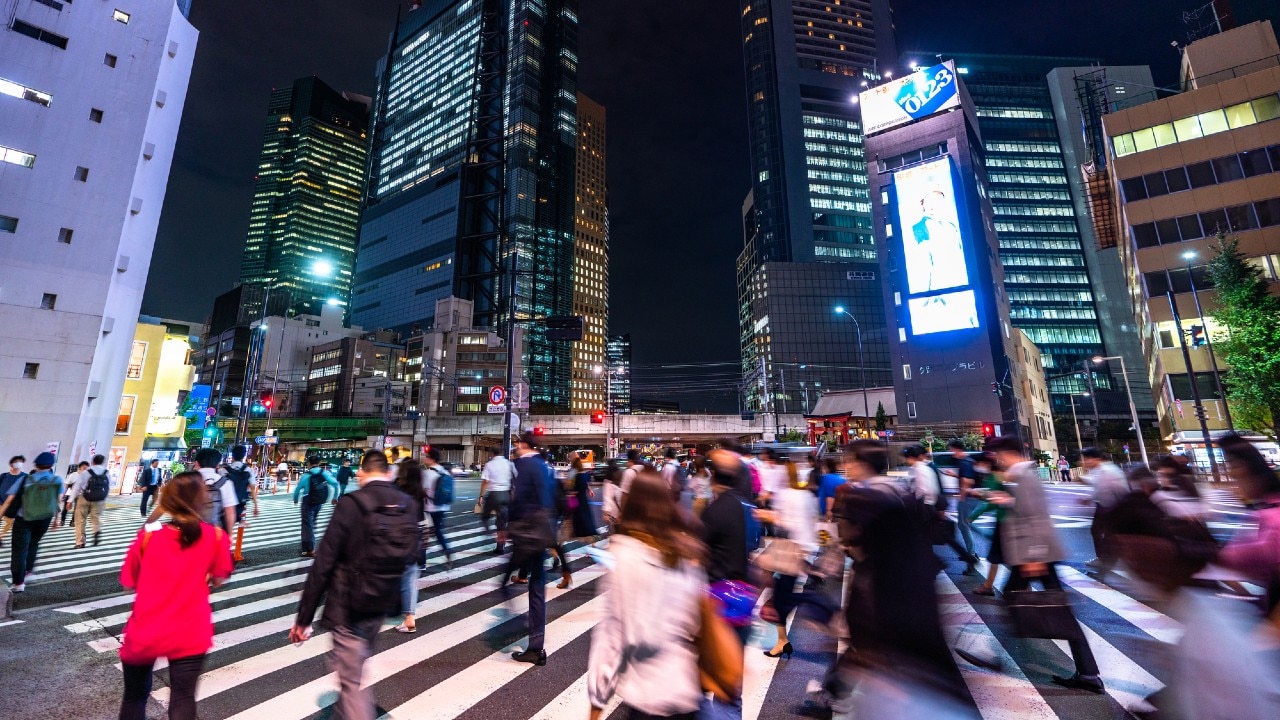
(172, 566)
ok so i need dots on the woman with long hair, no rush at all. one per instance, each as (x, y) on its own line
(793, 511)
(643, 647)
(172, 566)
(583, 518)
(409, 479)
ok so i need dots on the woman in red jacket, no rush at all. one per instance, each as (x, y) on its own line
(172, 566)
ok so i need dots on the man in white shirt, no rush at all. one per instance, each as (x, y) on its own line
(89, 495)
(927, 486)
(207, 461)
(635, 464)
(495, 496)
(1109, 488)
(773, 475)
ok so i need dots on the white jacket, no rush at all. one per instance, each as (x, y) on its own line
(797, 514)
(643, 646)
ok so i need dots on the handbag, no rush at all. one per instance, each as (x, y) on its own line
(532, 533)
(1043, 614)
(719, 655)
(781, 556)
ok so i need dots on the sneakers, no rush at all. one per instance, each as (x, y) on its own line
(20, 587)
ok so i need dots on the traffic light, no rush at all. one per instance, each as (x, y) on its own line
(1197, 336)
(597, 417)
(995, 388)
(988, 430)
(265, 399)
(539, 430)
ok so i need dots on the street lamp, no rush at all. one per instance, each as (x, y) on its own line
(1133, 411)
(1187, 257)
(322, 268)
(608, 374)
(1075, 422)
(862, 363)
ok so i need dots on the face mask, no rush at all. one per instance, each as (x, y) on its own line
(16, 466)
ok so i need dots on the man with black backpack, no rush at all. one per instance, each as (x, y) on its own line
(372, 538)
(36, 497)
(242, 481)
(313, 487)
(90, 496)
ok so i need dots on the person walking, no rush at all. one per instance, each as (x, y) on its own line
(8, 483)
(36, 497)
(700, 484)
(345, 473)
(927, 488)
(611, 488)
(372, 537)
(532, 505)
(171, 568)
(410, 481)
(1031, 546)
(438, 485)
(219, 504)
(967, 496)
(495, 496)
(829, 482)
(90, 496)
(582, 517)
(643, 648)
(313, 487)
(984, 470)
(793, 511)
(149, 481)
(1109, 488)
(724, 525)
(243, 482)
(73, 476)
(1255, 554)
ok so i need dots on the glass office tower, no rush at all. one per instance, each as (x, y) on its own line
(307, 195)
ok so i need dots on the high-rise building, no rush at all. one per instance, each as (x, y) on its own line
(441, 168)
(1038, 200)
(91, 97)
(307, 195)
(805, 62)
(617, 355)
(1183, 169)
(590, 258)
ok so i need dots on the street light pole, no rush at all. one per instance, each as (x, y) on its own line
(1195, 389)
(1075, 422)
(1133, 410)
(862, 362)
(1208, 343)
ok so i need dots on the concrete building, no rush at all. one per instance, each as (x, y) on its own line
(1032, 391)
(1184, 168)
(340, 367)
(151, 424)
(307, 195)
(452, 368)
(91, 96)
(223, 362)
(590, 258)
(287, 350)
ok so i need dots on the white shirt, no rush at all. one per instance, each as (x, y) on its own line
(797, 514)
(227, 492)
(497, 474)
(1109, 484)
(82, 480)
(668, 472)
(628, 475)
(925, 483)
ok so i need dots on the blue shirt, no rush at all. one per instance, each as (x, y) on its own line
(827, 486)
(303, 487)
(8, 482)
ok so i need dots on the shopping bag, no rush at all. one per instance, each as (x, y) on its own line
(719, 655)
(1043, 614)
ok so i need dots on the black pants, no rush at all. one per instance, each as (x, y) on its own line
(183, 675)
(26, 540)
(1080, 652)
(1100, 530)
(148, 494)
(310, 513)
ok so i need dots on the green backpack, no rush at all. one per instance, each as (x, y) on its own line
(40, 494)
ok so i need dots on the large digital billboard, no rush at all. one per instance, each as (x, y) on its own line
(933, 249)
(922, 93)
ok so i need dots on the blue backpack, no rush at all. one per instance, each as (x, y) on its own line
(754, 530)
(443, 494)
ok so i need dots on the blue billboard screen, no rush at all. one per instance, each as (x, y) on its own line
(940, 313)
(933, 246)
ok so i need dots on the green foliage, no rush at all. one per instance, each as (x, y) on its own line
(1041, 457)
(972, 441)
(882, 417)
(792, 436)
(931, 442)
(1251, 347)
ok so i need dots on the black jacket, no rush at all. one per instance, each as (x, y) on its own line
(724, 530)
(330, 576)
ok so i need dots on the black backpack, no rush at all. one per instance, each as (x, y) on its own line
(388, 542)
(317, 488)
(240, 478)
(97, 487)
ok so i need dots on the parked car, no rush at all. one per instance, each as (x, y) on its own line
(455, 469)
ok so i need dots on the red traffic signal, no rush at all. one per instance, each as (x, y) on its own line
(538, 430)
(265, 399)
(988, 430)
(597, 417)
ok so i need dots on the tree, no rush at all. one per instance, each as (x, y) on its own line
(972, 441)
(882, 418)
(1251, 348)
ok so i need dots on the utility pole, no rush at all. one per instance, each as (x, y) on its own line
(1195, 389)
(1208, 343)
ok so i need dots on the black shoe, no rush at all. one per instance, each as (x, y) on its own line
(535, 657)
(97, 537)
(970, 569)
(1092, 683)
(784, 652)
(497, 550)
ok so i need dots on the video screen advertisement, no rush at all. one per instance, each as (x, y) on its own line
(940, 295)
(924, 92)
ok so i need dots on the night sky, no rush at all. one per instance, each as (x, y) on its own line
(669, 73)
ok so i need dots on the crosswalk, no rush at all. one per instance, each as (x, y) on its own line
(457, 665)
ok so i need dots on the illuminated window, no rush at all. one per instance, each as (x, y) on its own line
(137, 356)
(124, 417)
(121, 16)
(23, 92)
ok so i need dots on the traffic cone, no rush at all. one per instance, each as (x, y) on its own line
(239, 556)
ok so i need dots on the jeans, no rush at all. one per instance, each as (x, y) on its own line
(409, 589)
(1080, 651)
(352, 645)
(148, 494)
(26, 539)
(964, 509)
(91, 511)
(309, 514)
(437, 520)
(184, 673)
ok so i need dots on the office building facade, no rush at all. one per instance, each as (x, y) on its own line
(590, 258)
(307, 195)
(452, 368)
(424, 235)
(91, 98)
(804, 63)
(617, 356)
(1185, 168)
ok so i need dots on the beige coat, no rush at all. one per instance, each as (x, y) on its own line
(1027, 531)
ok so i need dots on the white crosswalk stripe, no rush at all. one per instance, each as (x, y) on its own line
(458, 662)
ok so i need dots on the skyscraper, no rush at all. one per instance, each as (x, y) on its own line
(307, 195)
(441, 168)
(590, 258)
(805, 62)
(90, 104)
(618, 363)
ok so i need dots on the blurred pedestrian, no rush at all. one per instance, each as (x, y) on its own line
(583, 519)
(90, 497)
(149, 480)
(171, 567)
(532, 534)
(1255, 554)
(1178, 494)
(926, 485)
(984, 471)
(73, 475)
(828, 483)
(409, 480)
(611, 488)
(8, 482)
(793, 511)
(36, 498)
(495, 496)
(643, 648)
(372, 537)
(967, 500)
(1109, 488)
(724, 525)
(437, 483)
(699, 484)
(314, 487)
(345, 474)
